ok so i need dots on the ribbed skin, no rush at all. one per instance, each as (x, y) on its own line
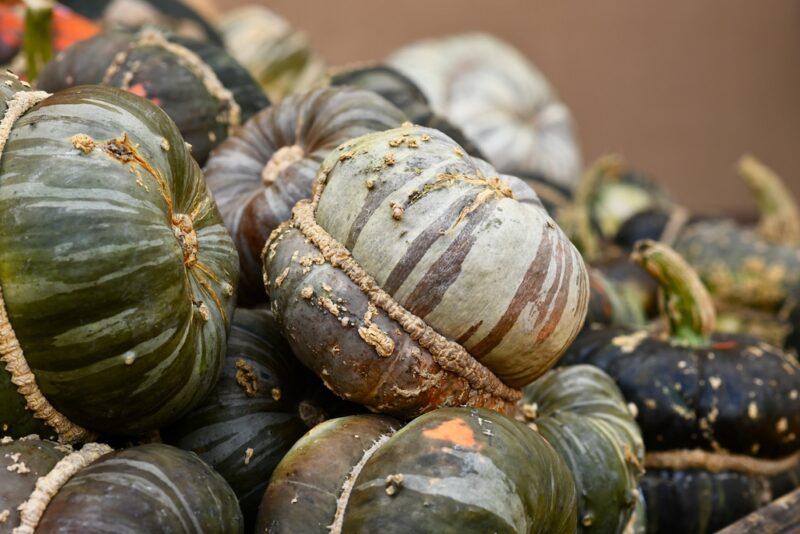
(122, 335)
(150, 488)
(315, 122)
(499, 99)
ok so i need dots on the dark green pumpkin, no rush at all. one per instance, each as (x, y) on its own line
(611, 303)
(468, 470)
(264, 402)
(150, 488)
(121, 316)
(204, 90)
(729, 399)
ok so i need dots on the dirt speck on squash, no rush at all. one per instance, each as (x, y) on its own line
(246, 377)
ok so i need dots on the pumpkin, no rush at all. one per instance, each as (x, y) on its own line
(204, 90)
(499, 99)
(468, 470)
(386, 284)
(278, 56)
(114, 308)
(261, 172)
(720, 414)
(398, 89)
(263, 403)
(171, 15)
(46, 487)
(611, 304)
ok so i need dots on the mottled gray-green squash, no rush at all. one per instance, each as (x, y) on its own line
(499, 99)
(387, 286)
(117, 274)
(48, 488)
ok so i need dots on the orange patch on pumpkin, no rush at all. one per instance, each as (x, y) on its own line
(454, 431)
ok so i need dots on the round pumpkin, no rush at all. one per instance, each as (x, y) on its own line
(258, 174)
(720, 414)
(204, 90)
(115, 306)
(499, 99)
(386, 284)
(278, 56)
(264, 402)
(398, 89)
(611, 304)
(46, 487)
(468, 470)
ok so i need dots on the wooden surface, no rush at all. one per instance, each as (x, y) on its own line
(779, 517)
(682, 88)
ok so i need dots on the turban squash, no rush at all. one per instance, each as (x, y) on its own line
(116, 272)
(387, 285)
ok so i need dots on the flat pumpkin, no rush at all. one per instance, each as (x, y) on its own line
(204, 90)
(260, 173)
(116, 304)
(386, 283)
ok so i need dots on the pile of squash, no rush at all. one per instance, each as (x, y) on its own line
(241, 291)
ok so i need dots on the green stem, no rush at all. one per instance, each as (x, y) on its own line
(37, 42)
(685, 300)
(780, 215)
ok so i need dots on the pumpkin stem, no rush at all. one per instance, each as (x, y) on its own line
(780, 215)
(37, 42)
(684, 299)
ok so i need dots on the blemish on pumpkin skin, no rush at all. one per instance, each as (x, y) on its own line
(454, 431)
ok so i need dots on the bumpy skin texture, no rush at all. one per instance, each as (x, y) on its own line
(122, 331)
(255, 199)
(738, 265)
(149, 488)
(502, 103)
(429, 225)
(132, 61)
(304, 489)
(583, 415)
(264, 402)
(699, 501)
(398, 89)
(22, 462)
(455, 470)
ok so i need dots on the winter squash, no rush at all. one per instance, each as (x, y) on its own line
(114, 308)
(172, 15)
(611, 303)
(278, 56)
(468, 470)
(263, 403)
(386, 283)
(204, 90)
(398, 89)
(720, 414)
(47, 487)
(261, 172)
(499, 99)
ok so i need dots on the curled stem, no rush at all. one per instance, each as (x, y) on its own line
(685, 300)
(780, 215)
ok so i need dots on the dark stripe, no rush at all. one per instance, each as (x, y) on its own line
(371, 204)
(527, 291)
(422, 243)
(463, 338)
(445, 270)
(557, 297)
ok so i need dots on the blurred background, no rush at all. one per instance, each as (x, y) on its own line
(680, 88)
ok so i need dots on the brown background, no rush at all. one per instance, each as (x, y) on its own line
(680, 87)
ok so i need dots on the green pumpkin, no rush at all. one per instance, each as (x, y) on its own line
(719, 413)
(150, 488)
(386, 283)
(264, 402)
(202, 89)
(121, 291)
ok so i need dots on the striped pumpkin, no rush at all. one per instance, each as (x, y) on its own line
(117, 274)
(573, 466)
(263, 403)
(150, 488)
(500, 100)
(261, 172)
(418, 278)
(204, 90)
